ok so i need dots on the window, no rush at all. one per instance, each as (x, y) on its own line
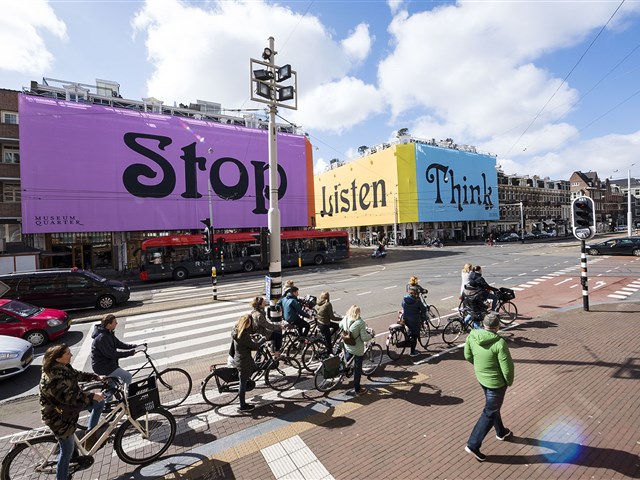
(11, 193)
(10, 154)
(10, 117)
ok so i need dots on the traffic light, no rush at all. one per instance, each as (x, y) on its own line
(206, 234)
(583, 218)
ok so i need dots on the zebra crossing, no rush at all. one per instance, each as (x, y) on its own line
(186, 333)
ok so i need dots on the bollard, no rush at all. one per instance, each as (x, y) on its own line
(299, 261)
(214, 282)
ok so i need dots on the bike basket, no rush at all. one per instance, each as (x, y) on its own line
(331, 367)
(506, 294)
(143, 396)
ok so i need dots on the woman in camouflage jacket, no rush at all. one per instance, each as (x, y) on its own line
(62, 400)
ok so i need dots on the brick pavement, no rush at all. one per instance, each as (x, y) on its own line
(573, 410)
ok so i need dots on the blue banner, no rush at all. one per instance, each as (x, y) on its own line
(455, 185)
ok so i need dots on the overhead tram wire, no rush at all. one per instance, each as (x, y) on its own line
(564, 80)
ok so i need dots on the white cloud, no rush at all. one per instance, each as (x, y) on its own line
(469, 68)
(358, 45)
(395, 5)
(199, 52)
(337, 106)
(23, 46)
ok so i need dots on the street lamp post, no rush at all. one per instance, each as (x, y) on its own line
(266, 87)
(629, 214)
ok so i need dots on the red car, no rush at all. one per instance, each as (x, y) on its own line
(35, 324)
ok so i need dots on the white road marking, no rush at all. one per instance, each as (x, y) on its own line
(563, 281)
(393, 286)
(292, 458)
(363, 293)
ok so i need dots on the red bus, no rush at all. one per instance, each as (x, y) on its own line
(183, 256)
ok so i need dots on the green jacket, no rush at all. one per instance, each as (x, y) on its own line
(359, 331)
(60, 391)
(489, 354)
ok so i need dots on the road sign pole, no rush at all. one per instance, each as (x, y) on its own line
(583, 278)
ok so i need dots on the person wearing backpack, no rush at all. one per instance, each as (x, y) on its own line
(354, 335)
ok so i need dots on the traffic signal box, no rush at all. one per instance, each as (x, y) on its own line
(583, 218)
(206, 234)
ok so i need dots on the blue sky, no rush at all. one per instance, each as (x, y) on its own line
(485, 73)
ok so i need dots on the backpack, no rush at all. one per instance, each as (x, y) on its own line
(347, 336)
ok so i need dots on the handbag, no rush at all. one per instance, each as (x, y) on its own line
(347, 336)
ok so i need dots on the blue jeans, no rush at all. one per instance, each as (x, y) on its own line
(357, 370)
(67, 445)
(489, 418)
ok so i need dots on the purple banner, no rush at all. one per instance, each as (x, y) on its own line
(90, 168)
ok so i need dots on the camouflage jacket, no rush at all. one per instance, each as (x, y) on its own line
(59, 391)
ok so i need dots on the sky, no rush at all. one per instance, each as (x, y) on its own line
(549, 87)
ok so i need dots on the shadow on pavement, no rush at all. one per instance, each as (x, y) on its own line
(622, 462)
(524, 342)
(203, 468)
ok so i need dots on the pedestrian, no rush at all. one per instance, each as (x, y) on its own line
(354, 323)
(464, 274)
(326, 320)
(243, 360)
(107, 350)
(413, 313)
(494, 369)
(62, 400)
(271, 331)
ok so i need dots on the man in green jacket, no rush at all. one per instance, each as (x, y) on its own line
(489, 354)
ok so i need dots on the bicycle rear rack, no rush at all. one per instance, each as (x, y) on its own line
(30, 435)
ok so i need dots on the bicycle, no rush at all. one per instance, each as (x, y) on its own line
(174, 384)
(433, 315)
(505, 307)
(336, 368)
(457, 326)
(145, 435)
(398, 338)
(315, 350)
(222, 385)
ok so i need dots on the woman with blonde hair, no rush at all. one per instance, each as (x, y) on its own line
(415, 282)
(464, 274)
(243, 360)
(354, 323)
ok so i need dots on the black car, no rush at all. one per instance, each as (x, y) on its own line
(65, 288)
(616, 246)
(509, 237)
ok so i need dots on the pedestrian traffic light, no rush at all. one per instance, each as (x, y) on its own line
(583, 218)
(206, 234)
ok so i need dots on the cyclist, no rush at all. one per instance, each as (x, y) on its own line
(354, 323)
(293, 313)
(243, 360)
(326, 319)
(415, 282)
(106, 350)
(272, 331)
(464, 275)
(62, 400)
(478, 282)
(414, 313)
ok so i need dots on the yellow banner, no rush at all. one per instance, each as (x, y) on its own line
(367, 191)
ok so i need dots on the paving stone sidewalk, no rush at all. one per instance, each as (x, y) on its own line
(573, 408)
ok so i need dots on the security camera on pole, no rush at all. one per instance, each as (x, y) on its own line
(267, 87)
(583, 222)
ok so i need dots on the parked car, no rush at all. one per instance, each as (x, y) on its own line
(616, 246)
(65, 288)
(509, 237)
(16, 355)
(529, 236)
(36, 324)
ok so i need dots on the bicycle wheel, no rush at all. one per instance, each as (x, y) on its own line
(425, 334)
(295, 345)
(452, 330)
(372, 359)
(227, 393)
(282, 374)
(174, 386)
(326, 384)
(508, 313)
(37, 461)
(395, 339)
(135, 446)
(434, 316)
(312, 354)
